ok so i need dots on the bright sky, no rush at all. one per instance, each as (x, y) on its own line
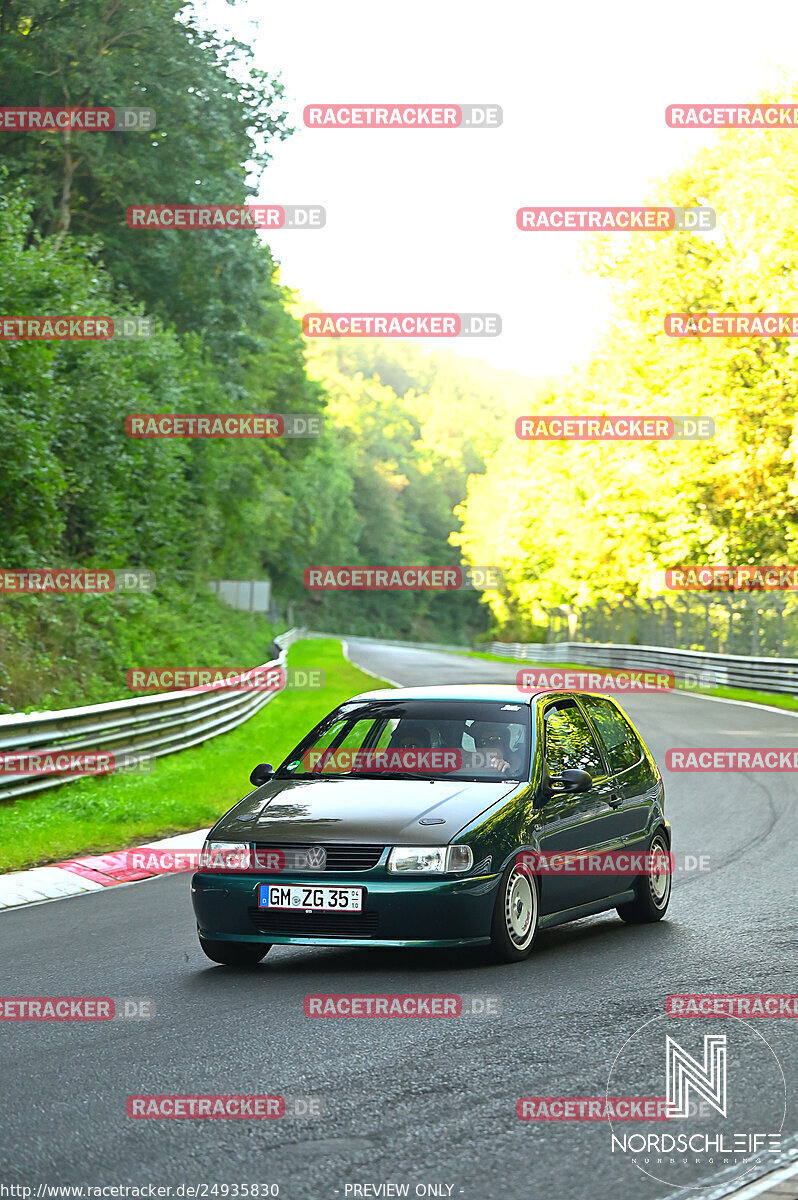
(425, 220)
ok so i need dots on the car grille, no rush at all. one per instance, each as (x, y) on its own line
(341, 856)
(314, 924)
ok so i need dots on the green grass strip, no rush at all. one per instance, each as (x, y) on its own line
(187, 790)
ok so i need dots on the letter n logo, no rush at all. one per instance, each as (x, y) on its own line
(707, 1080)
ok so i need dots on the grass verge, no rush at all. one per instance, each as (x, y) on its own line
(187, 790)
(767, 699)
(66, 651)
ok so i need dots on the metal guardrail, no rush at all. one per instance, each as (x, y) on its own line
(695, 666)
(144, 725)
(461, 647)
(752, 623)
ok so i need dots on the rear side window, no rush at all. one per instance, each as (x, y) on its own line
(569, 744)
(623, 748)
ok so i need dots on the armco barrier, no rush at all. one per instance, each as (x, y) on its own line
(154, 725)
(460, 648)
(704, 670)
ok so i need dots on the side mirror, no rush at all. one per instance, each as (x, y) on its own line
(262, 774)
(569, 783)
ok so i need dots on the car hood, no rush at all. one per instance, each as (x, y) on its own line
(375, 811)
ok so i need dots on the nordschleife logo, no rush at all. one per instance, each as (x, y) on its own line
(723, 1101)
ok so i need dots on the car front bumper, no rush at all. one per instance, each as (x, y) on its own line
(396, 912)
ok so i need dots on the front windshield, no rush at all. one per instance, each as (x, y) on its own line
(419, 739)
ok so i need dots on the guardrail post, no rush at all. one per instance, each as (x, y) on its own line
(706, 601)
(575, 625)
(602, 624)
(668, 633)
(653, 623)
(780, 603)
(729, 600)
(636, 629)
(753, 608)
(685, 638)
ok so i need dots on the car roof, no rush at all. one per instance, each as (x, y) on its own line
(503, 692)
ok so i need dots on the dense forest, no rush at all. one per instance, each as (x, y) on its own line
(403, 431)
(576, 522)
(419, 462)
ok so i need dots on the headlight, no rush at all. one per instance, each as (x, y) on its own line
(430, 860)
(224, 856)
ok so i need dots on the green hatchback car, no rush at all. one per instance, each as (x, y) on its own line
(439, 816)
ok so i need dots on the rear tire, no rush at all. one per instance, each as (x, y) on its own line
(234, 954)
(652, 892)
(515, 916)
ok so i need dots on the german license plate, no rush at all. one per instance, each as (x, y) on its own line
(315, 899)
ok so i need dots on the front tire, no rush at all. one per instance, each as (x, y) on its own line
(515, 916)
(652, 892)
(234, 954)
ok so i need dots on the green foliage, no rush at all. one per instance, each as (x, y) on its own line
(408, 454)
(64, 651)
(216, 115)
(572, 523)
(404, 429)
(186, 791)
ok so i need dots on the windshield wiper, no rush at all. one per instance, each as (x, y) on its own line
(395, 775)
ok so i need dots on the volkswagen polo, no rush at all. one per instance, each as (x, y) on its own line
(427, 816)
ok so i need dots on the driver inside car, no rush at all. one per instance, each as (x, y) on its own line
(493, 742)
(410, 735)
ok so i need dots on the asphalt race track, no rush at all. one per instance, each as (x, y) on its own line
(407, 1101)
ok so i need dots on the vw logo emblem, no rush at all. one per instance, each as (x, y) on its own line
(316, 857)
